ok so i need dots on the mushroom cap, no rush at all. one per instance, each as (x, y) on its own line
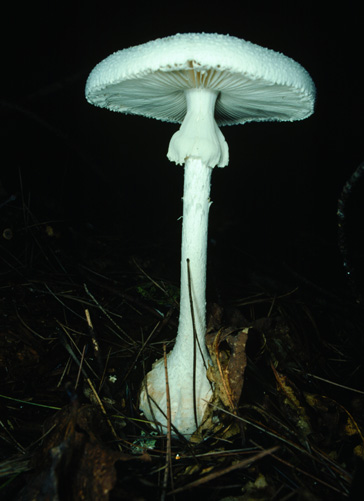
(253, 83)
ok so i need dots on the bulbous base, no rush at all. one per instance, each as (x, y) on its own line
(181, 397)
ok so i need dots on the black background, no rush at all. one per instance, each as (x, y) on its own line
(103, 172)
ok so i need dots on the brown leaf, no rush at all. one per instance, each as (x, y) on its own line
(229, 363)
(237, 363)
(293, 403)
(73, 462)
(96, 475)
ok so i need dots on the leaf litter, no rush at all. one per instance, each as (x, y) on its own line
(76, 338)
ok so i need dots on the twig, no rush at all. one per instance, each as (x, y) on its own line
(71, 353)
(31, 403)
(105, 368)
(61, 302)
(212, 476)
(64, 372)
(12, 438)
(138, 355)
(95, 343)
(306, 473)
(28, 327)
(168, 467)
(268, 431)
(195, 340)
(331, 382)
(104, 413)
(263, 428)
(150, 278)
(131, 340)
(80, 366)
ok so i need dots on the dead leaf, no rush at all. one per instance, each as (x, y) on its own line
(293, 403)
(227, 351)
(73, 462)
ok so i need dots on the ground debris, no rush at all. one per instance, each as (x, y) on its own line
(289, 377)
(73, 462)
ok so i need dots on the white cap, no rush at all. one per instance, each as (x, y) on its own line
(253, 83)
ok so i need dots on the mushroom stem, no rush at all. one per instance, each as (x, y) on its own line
(196, 205)
(189, 387)
(192, 316)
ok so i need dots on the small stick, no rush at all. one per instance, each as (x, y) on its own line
(104, 412)
(92, 332)
(80, 366)
(169, 435)
(95, 343)
(194, 343)
(107, 315)
(240, 464)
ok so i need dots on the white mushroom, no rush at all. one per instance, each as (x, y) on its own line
(201, 81)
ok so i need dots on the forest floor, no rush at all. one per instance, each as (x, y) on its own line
(82, 319)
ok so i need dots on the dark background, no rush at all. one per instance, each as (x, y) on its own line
(100, 172)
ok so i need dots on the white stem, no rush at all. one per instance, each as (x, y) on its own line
(188, 402)
(196, 205)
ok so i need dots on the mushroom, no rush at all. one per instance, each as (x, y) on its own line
(202, 81)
